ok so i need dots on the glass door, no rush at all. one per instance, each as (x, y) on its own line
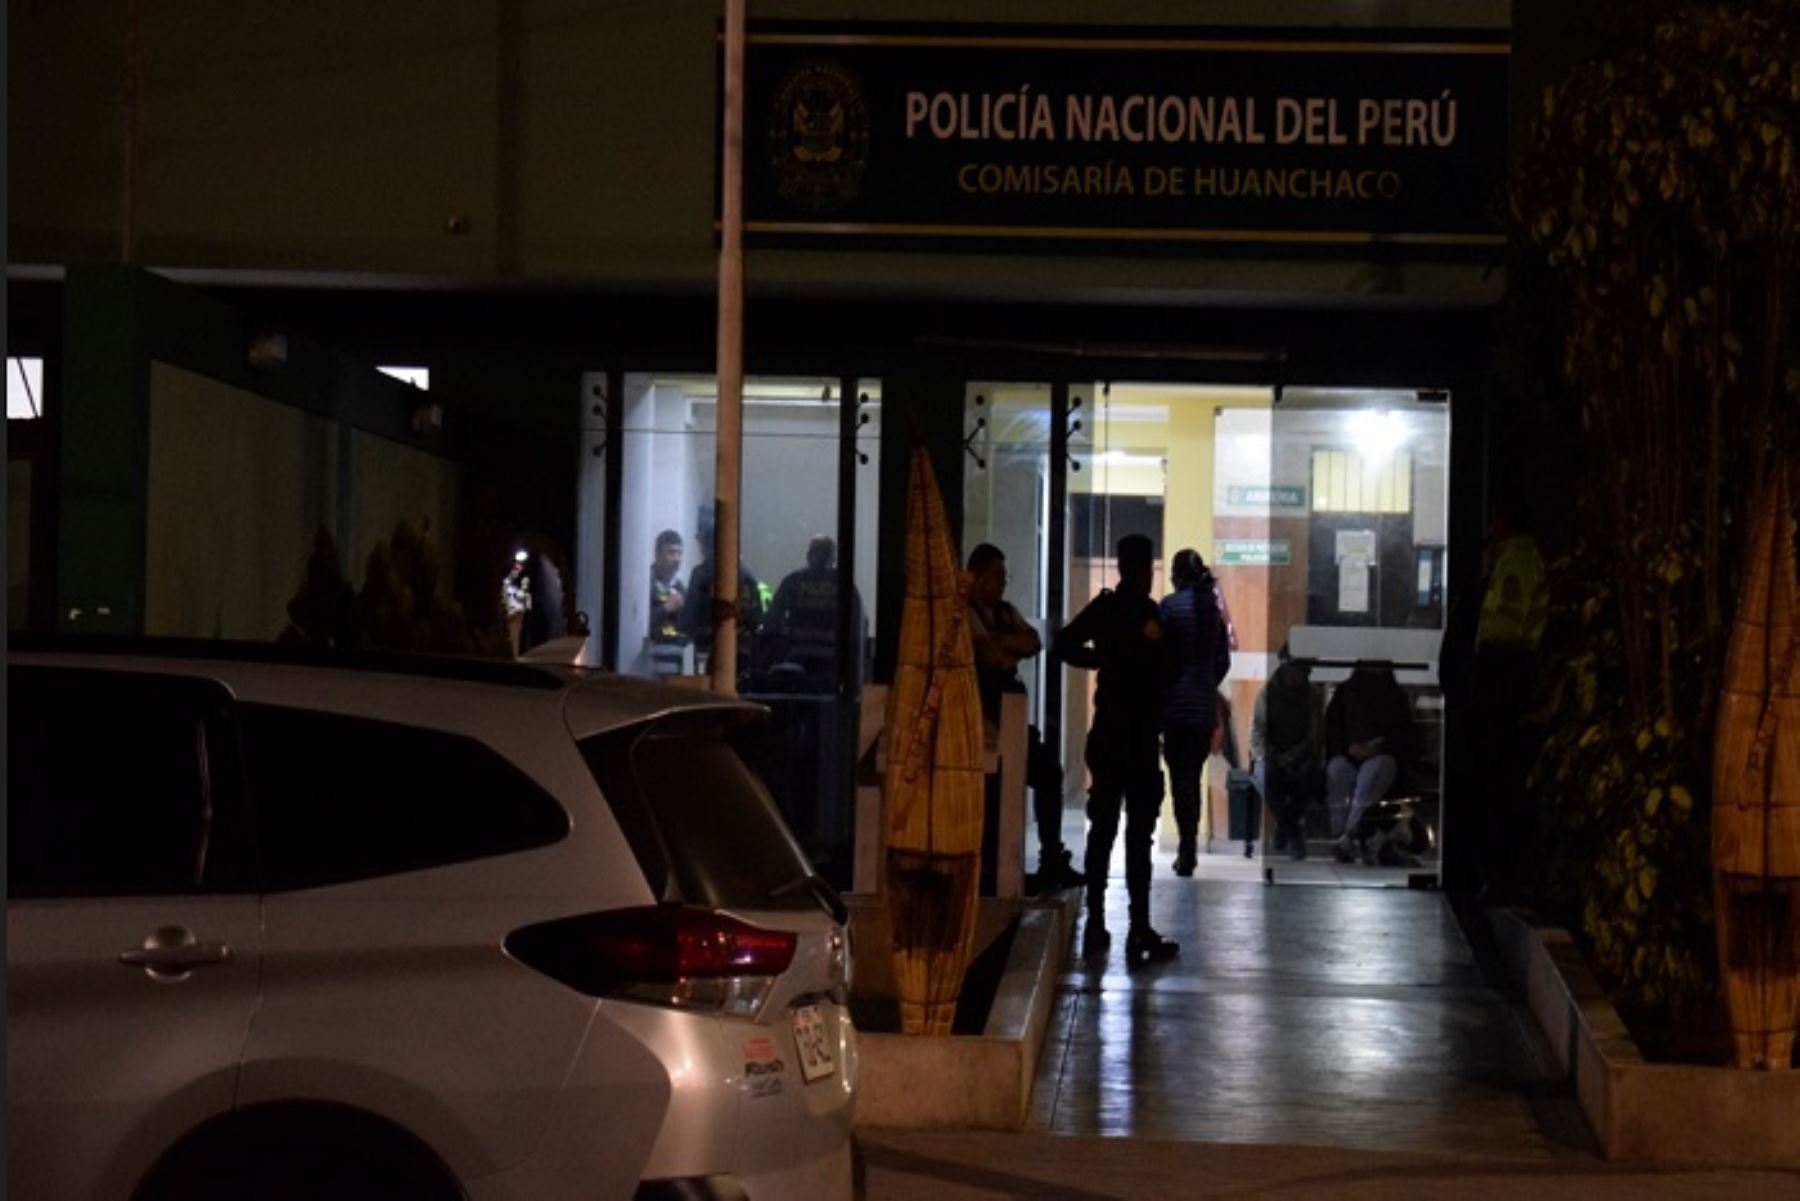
(806, 569)
(1348, 506)
(1144, 462)
(1012, 503)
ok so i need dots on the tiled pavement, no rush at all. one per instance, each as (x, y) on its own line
(1309, 1042)
(1328, 1016)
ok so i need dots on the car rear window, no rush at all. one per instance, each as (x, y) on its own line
(701, 823)
(345, 798)
(114, 781)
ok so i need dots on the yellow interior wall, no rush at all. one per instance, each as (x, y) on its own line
(1188, 500)
(1188, 522)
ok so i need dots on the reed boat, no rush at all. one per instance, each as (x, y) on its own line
(932, 789)
(1756, 793)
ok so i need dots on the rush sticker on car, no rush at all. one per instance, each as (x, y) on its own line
(763, 1067)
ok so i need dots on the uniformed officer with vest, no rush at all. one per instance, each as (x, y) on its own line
(1503, 688)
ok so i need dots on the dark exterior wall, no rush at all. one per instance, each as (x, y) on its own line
(104, 418)
(575, 139)
(117, 323)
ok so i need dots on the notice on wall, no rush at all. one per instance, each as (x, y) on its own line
(1353, 584)
(1354, 551)
(1253, 552)
(1355, 542)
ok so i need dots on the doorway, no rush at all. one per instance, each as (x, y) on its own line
(1323, 515)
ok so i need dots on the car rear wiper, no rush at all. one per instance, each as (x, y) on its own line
(822, 892)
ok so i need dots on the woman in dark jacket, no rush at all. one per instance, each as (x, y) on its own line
(1369, 736)
(1199, 657)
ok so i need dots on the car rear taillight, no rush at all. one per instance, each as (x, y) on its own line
(662, 954)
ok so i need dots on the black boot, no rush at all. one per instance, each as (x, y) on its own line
(1094, 937)
(1297, 842)
(1056, 869)
(1145, 945)
(1186, 859)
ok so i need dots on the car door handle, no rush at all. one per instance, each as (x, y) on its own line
(171, 952)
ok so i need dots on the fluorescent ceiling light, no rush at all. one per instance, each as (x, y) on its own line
(418, 377)
(1124, 458)
(1378, 434)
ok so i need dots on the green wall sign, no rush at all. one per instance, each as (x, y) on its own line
(1254, 552)
(991, 135)
(1282, 496)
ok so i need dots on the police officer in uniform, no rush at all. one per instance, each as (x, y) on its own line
(1120, 634)
(803, 617)
(697, 611)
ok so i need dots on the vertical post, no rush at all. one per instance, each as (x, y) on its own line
(838, 795)
(729, 458)
(849, 642)
(611, 598)
(1056, 596)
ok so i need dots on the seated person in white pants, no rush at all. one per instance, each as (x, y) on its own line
(1369, 733)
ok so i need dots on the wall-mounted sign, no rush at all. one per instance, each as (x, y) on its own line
(994, 136)
(1254, 552)
(1258, 496)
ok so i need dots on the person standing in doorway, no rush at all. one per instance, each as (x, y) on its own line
(667, 594)
(1514, 610)
(697, 613)
(803, 619)
(515, 601)
(1002, 638)
(1120, 635)
(1201, 657)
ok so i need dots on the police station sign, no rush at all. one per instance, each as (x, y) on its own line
(1018, 135)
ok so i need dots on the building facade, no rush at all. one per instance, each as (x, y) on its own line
(1220, 274)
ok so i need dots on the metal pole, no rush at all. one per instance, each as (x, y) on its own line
(1057, 581)
(849, 632)
(729, 461)
(611, 599)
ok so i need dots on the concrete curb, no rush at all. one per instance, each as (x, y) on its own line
(1667, 1115)
(982, 1081)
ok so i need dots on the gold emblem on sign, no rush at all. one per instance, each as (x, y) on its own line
(819, 134)
(818, 137)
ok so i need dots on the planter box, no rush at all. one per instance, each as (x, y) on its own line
(1669, 1115)
(964, 1081)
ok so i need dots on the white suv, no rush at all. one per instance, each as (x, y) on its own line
(423, 929)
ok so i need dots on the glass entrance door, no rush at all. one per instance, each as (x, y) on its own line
(1144, 462)
(806, 569)
(1013, 487)
(1342, 496)
(1132, 458)
(1321, 515)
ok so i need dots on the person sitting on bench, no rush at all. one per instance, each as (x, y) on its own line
(1287, 732)
(1369, 733)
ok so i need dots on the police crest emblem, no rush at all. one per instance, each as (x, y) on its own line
(818, 136)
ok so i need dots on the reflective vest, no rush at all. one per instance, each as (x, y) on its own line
(1516, 604)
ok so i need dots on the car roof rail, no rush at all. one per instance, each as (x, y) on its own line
(468, 668)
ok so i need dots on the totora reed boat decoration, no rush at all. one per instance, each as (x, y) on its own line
(1756, 793)
(932, 791)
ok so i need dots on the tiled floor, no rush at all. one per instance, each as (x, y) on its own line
(1226, 859)
(1342, 1016)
